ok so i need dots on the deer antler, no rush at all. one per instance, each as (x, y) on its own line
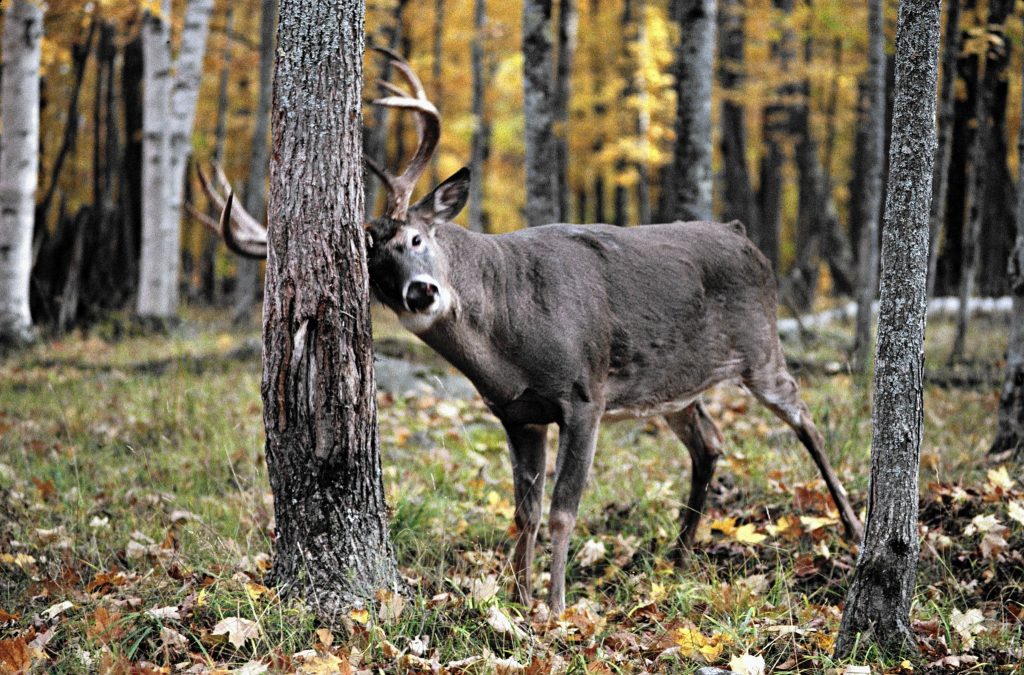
(400, 188)
(242, 233)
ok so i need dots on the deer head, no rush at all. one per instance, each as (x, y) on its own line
(408, 270)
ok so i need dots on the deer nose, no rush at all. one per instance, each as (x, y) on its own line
(420, 295)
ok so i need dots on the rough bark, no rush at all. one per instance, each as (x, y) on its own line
(984, 143)
(169, 109)
(738, 197)
(538, 109)
(481, 141)
(568, 24)
(247, 275)
(871, 197)
(877, 610)
(323, 458)
(694, 74)
(1009, 436)
(19, 164)
(947, 98)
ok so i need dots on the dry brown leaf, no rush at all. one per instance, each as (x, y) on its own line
(238, 630)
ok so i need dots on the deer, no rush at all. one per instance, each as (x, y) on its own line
(572, 325)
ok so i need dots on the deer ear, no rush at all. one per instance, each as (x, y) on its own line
(446, 200)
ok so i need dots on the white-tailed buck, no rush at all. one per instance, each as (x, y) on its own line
(569, 325)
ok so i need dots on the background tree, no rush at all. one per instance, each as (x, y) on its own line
(538, 114)
(694, 72)
(877, 608)
(168, 112)
(19, 164)
(480, 148)
(1010, 425)
(984, 152)
(568, 24)
(320, 409)
(871, 198)
(247, 279)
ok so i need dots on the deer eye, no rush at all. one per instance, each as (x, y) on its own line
(416, 240)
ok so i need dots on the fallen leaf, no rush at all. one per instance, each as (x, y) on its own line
(1016, 511)
(237, 629)
(592, 552)
(15, 656)
(500, 622)
(747, 534)
(747, 664)
(391, 605)
(55, 610)
(170, 612)
(359, 615)
(1000, 478)
(967, 625)
(175, 642)
(484, 589)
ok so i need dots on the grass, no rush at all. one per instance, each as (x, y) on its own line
(132, 485)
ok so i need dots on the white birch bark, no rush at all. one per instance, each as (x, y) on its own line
(169, 105)
(19, 164)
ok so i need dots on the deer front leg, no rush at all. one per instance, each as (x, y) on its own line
(527, 445)
(577, 439)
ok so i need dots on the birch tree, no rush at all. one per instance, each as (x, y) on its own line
(19, 164)
(169, 103)
(320, 411)
(877, 608)
(568, 24)
(871, 198)
(694, 74)
(538, 111)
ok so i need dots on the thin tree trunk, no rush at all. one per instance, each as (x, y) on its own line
(739, 199)
(538, 110)
(877, 610)
(323, 458)
(620, 194)
(994, 64)
(437, 79)
(481, 142)
(871, 165)
(694, 74)
(19, 164)
(643, 120)
(947, 98)
(1010, 425)
(209, 289)
(598, 110)
(375, 138)
(247, 274)
(568, 24)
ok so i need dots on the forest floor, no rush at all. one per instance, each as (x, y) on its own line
(136, 520)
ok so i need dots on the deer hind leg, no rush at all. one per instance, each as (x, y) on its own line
(777, 389)
(577, 440)
(702, 438)
(527, 445)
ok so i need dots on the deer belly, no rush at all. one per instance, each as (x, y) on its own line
(652, 409)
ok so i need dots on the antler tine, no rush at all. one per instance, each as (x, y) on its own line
(242, 233)
(249, 248)
(428, 126)
(403, 67)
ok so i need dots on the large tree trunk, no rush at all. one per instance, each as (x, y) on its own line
(984, 143)
(694, 74)
(877, 608)
(169, 110)
(871, 197)
(19, 164)
(1010, 426)
(568, 23)
(247, 276)
(320, 412)
(481, 142)
(947, 98)
(738, 197)
(538, 110)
